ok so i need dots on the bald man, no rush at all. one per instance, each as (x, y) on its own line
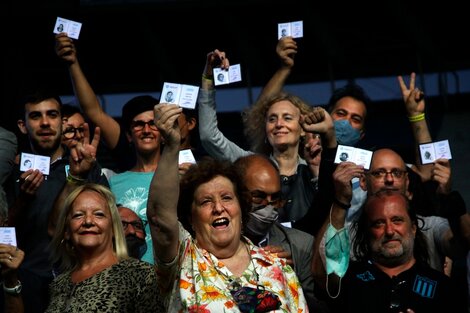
(262, 180)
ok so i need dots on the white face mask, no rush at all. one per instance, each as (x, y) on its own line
(261, 220)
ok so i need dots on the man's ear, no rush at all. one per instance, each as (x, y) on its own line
(22, 126)
(191, 123)
(363, 182)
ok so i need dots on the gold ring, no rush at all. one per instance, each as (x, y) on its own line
(26, 178)
(10, 258)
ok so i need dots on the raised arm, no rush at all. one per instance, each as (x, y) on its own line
(164, 188)
(212, 139)
(82, 160)
(415, 107)
(286, 49)
(87, 99)
(332, 242)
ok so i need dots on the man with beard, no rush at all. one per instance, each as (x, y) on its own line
(134, 230)
(391, 273)
(34, 194)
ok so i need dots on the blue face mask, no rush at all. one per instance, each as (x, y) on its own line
(346, 135)
(337, 251)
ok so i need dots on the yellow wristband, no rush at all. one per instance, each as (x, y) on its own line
(416, 118)
(204, 76)
(74, 180)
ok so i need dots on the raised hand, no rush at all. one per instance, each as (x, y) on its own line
(65, 48)
(286, 49)
(166, 116)
(83, 155)
(413, 97)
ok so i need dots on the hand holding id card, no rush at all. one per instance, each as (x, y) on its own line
(432, 151)
(222, 77)
(294, 29)
(183, 95)
(358, 156)
(70, 27)
(8, 236)
(35, 162)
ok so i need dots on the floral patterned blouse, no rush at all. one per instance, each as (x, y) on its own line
(197, 282)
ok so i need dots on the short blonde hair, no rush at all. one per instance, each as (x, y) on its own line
(62, 251)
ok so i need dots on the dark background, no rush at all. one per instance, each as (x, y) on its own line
(135, 46)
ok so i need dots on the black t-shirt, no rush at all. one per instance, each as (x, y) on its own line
(365, 288)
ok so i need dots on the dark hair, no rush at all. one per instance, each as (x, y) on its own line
(34, 97)
(350, 90)
(68, 110)
(134, 107)
(205, 170)
(360, 243)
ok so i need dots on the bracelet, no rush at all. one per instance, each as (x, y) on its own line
(416, 118)
(342, 205)
(14, 290)
(74, 180)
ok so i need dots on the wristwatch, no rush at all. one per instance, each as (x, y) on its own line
(14, 290)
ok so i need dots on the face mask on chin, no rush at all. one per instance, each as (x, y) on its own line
(346, 134)
(136, 247)
(261, 219)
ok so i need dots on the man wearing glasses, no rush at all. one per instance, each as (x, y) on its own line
(388, 173)
(134, 230)
(261, 179)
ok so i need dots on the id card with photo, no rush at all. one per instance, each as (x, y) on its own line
(350, 154)
(37, 162)
(432, 151)
(294, 29)
(8, 236)
(183, 95)
(70, 27)
(223, 77)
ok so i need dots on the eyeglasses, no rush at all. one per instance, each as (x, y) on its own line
(261, 198)
(71, 132)
(138, 226)
(139, 125)
(396, 173)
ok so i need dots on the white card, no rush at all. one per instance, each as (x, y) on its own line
(222, 77)
(294, 29)
(186, 156)
(33, 161)
(8, 236)
(183, 95)
(358, 156)
(430, 152)
(283, 30)
(297, 29)
(234, 73)
(188, 97)
(70, 27)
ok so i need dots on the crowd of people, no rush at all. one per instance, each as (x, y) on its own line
(278, 227)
